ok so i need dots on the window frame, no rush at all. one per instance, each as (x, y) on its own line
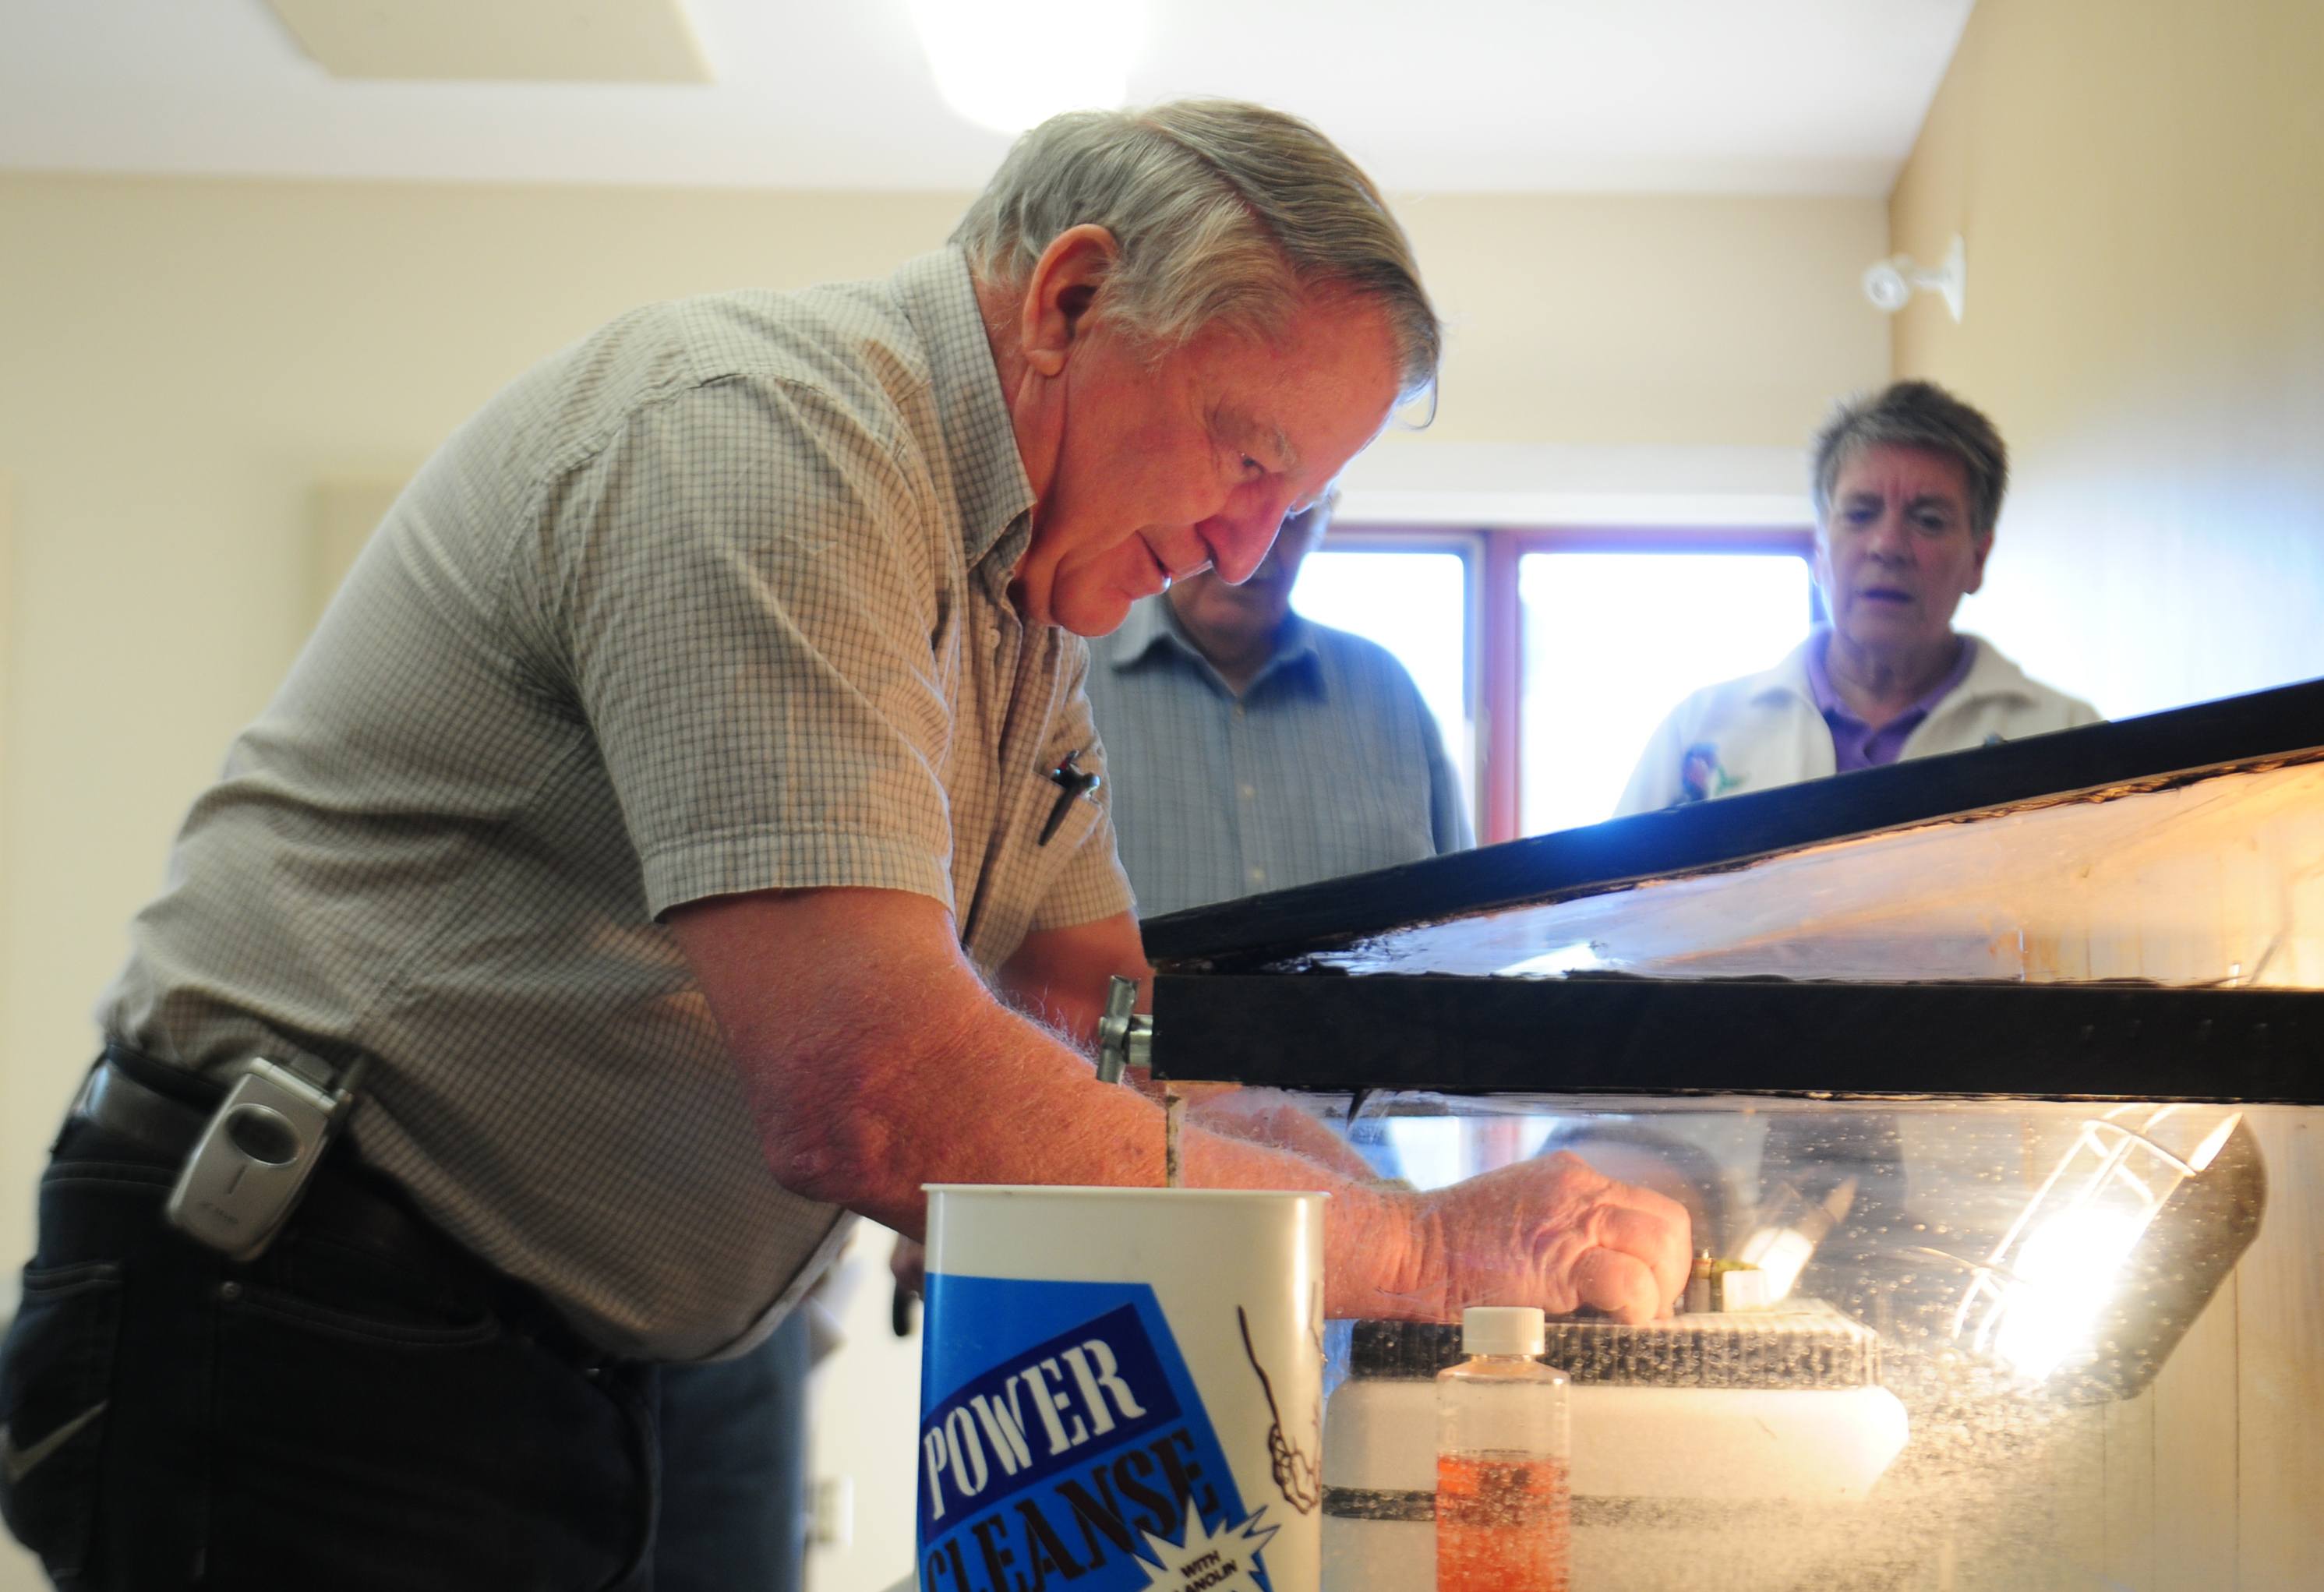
(1492, 677)
(1473, 547)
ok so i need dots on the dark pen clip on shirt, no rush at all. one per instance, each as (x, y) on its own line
(1071, 781)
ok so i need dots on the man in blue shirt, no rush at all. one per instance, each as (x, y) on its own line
(1249, 749)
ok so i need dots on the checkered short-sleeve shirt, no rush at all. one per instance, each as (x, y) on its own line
(712, 602)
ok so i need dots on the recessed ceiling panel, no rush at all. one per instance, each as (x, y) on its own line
(499, 41)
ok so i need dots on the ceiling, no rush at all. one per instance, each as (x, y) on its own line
(1768, 96)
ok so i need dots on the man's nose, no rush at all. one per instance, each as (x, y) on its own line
(1239, 538)
(1889, 538)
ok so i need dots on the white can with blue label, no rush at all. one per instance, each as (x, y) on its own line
(1121, 1390)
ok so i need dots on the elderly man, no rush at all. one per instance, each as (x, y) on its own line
(642, 841)
(1907, 486)
(1251, 749)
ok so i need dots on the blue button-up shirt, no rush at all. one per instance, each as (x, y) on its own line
(1330, 763)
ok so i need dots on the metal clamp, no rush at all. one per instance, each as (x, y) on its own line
(1125, 1038)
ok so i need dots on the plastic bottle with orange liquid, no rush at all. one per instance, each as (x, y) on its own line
(1503, 1512)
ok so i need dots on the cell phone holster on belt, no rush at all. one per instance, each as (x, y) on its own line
(253, 1161)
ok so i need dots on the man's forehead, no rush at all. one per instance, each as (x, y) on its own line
(1920, 492)
(1922, 474)
(1301, 396)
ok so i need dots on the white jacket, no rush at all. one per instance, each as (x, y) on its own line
(1765, 730)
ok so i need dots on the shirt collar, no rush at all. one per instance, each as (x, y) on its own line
(1829, 703)
(1295, 649)
(1153, 626)
(989, 481)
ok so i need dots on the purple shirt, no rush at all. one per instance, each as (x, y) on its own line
(1853, 744)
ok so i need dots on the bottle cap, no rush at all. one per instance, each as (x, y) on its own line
(1501, 1329)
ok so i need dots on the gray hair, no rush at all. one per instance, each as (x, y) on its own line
(1914, 414)
(1224, 213)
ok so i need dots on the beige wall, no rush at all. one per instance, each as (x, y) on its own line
(1626, 359)
(2139, 182)
(11, 1107)
(1647, 321)
(191, 367)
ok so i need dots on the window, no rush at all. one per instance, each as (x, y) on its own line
(1612, 641)
(1549, 656)
(1414, 600)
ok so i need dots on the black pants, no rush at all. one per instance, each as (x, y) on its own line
(364, 1406)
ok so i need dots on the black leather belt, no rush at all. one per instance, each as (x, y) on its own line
(116, 1100)
(163, 1110)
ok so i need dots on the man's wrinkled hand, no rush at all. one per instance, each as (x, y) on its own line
(1552, 1232)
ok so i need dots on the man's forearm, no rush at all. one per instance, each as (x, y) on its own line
(1001, 1101)
(1377, 1261)
(875, 1062)
(1061, 977)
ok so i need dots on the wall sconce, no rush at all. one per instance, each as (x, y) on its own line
(1891, 283)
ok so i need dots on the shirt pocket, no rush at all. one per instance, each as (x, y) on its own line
(1020, 868)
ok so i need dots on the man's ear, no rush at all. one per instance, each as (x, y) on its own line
(1983, 548)
(1065, 282)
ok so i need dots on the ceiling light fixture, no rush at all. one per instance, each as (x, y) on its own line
(1891, 283)
(1008, 65)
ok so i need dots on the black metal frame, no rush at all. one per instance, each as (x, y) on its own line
(1601, 1034)
(2158, 749)
(1238, 996)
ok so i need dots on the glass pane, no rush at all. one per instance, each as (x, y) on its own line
(2219, 880)
(1935, 1321)
(1417, 605)
(1615, 641)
